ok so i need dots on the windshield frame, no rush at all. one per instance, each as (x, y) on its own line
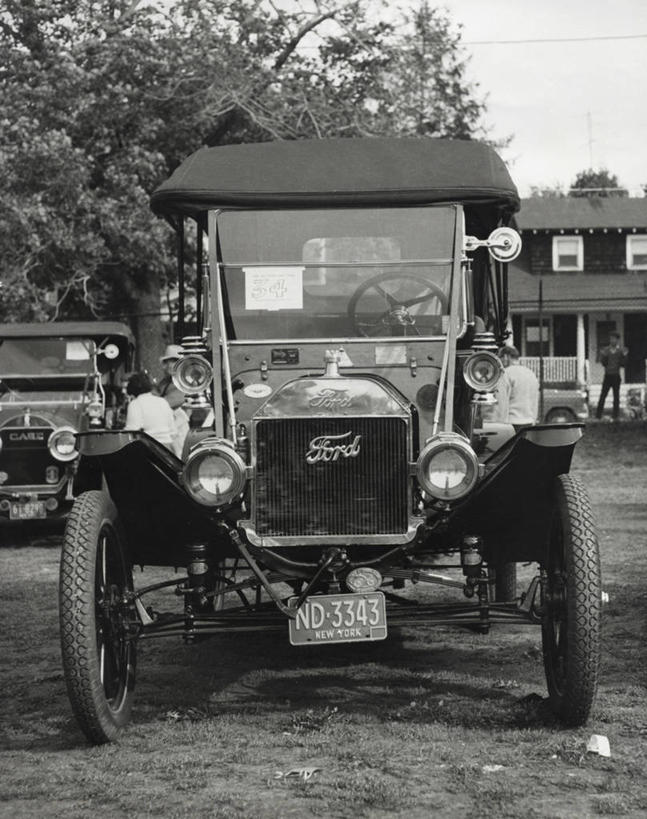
(456, 280)
(42, 345)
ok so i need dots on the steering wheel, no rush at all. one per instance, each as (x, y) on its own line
(398, 314)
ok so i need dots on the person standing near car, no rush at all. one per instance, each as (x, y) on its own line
(149, 412)
(165, 386)
(518, 391)
(167, 390)
(612, 358)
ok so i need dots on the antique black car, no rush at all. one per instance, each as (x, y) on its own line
(56, 379)
(350, 302)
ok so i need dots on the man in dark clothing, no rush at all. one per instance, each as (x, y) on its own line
(612, 357)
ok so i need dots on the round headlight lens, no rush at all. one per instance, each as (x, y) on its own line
(482, 371)
(62, 444)
(214, 473)
(447, 468)
(192, 374)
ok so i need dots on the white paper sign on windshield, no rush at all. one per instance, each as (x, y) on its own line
(273, 288)
(77, 351)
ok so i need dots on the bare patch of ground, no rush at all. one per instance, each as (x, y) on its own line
(432, 721)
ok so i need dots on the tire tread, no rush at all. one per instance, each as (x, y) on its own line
(76, 610)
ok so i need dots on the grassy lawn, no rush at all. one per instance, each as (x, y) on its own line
(431, 722)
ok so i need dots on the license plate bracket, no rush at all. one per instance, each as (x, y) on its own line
(31, 510)
(339, 618)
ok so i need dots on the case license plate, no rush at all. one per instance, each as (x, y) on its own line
(339, 618)
(27, 511)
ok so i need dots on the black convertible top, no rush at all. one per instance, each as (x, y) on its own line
(66, 329)
(338, 173)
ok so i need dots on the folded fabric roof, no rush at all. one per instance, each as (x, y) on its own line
(71, 329)
(338, 173)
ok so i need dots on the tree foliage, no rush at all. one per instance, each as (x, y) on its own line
(101, 99)
(546, 192)
(590, 183)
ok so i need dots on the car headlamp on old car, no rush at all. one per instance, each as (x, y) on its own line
(192, 374)
(95, 410)
(62, 444)
(447, 467)
(214, 473)
(482, 371)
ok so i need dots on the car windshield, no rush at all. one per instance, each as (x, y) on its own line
(35, 357)
(351, 273)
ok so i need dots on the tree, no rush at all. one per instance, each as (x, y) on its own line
(426, 90)
(78, 163)
(101, 99)
(546, 192)
(600, 183)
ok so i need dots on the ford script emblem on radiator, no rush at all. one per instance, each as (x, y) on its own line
(333, 447)
(331, 399)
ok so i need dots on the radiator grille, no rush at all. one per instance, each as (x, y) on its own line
(25, 461)
(361, 495)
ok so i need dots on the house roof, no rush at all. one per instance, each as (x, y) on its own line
(338, 173)
(562, 292)
(583, 213)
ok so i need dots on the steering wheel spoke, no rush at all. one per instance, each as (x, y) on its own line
(397, 319)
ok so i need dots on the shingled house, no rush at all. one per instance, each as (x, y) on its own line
(590, 255)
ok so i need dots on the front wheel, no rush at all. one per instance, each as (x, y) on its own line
(572, 602)
(99, 652)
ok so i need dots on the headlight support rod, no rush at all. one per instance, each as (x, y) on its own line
(238, 543)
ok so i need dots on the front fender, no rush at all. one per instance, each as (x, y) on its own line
(512, 506)
(143, 478)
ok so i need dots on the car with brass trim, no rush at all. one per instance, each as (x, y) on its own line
(351, 297)
(56, 379)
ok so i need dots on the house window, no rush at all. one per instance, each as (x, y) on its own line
(531, 344)
(636, 252)
(568, 253)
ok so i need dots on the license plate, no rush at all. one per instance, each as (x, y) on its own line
(339, 618)
(27, 511)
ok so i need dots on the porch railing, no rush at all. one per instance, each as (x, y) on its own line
(557, 369)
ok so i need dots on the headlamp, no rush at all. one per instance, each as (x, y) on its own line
(214, 473)
(95, 408)
(482, 371)
(62, 444)
(192, 374)
(447, 467)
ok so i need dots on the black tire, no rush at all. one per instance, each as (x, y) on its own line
(560, 416)
(572, 604)
(99, 657)
(505, 582)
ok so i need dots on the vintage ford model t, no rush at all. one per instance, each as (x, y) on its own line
(350, 304)
(56, 379)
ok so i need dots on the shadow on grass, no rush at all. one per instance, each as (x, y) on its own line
(263, 676)
(31, 533)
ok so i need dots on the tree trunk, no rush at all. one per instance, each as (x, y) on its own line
(151, 331)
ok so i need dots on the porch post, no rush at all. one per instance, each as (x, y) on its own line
(580, 349)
